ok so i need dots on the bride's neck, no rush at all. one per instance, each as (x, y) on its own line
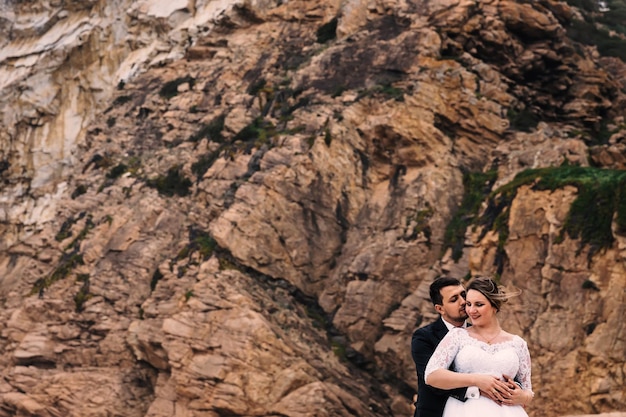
(488, 328)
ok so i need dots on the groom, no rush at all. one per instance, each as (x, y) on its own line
(448, 297)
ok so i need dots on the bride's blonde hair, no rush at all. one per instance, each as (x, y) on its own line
(496, 294)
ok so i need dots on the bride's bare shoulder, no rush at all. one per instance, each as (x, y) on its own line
(513, 337)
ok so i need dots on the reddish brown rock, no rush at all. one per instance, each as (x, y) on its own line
(235, 207)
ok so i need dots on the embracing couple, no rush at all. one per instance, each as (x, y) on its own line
(470, 371)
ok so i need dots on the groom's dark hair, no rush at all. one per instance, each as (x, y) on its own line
(437, 285)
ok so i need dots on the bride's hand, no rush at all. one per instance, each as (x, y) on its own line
(493, 388)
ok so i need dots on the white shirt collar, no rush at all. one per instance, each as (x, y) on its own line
(451, 326)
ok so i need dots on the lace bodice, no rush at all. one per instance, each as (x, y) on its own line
(471, 355)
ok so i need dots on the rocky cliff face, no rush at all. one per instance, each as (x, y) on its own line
(236, 207)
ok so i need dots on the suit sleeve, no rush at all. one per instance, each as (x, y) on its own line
(422, 348)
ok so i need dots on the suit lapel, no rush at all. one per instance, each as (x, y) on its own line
(440, 329)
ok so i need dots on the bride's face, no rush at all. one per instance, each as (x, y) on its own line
(478, 308)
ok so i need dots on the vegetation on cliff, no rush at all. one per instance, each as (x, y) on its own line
(477, 187)
(601, 198)
(604, 26)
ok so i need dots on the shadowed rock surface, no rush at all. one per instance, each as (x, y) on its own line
(235, 208)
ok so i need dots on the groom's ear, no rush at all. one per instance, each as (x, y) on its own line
(439, 308)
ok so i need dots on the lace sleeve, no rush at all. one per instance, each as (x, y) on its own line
(523, 374)
(445, 352)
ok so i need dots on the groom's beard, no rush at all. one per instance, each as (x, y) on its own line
(462, 315)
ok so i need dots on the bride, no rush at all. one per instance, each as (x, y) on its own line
(483, 355)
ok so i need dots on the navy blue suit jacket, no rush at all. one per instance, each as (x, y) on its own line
(430, 400)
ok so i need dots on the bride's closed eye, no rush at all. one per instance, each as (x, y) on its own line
(477, 304)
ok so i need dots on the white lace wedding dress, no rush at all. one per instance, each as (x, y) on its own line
(471, 355)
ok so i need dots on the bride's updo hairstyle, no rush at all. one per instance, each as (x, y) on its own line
(496, 294)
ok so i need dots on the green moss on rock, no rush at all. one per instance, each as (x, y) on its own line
(477, 187)
(601, 197)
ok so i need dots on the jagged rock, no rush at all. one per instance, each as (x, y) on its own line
(235, 207)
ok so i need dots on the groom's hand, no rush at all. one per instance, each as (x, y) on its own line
(516, 395)
(492, 387)
(510, 382)
(489, 395)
